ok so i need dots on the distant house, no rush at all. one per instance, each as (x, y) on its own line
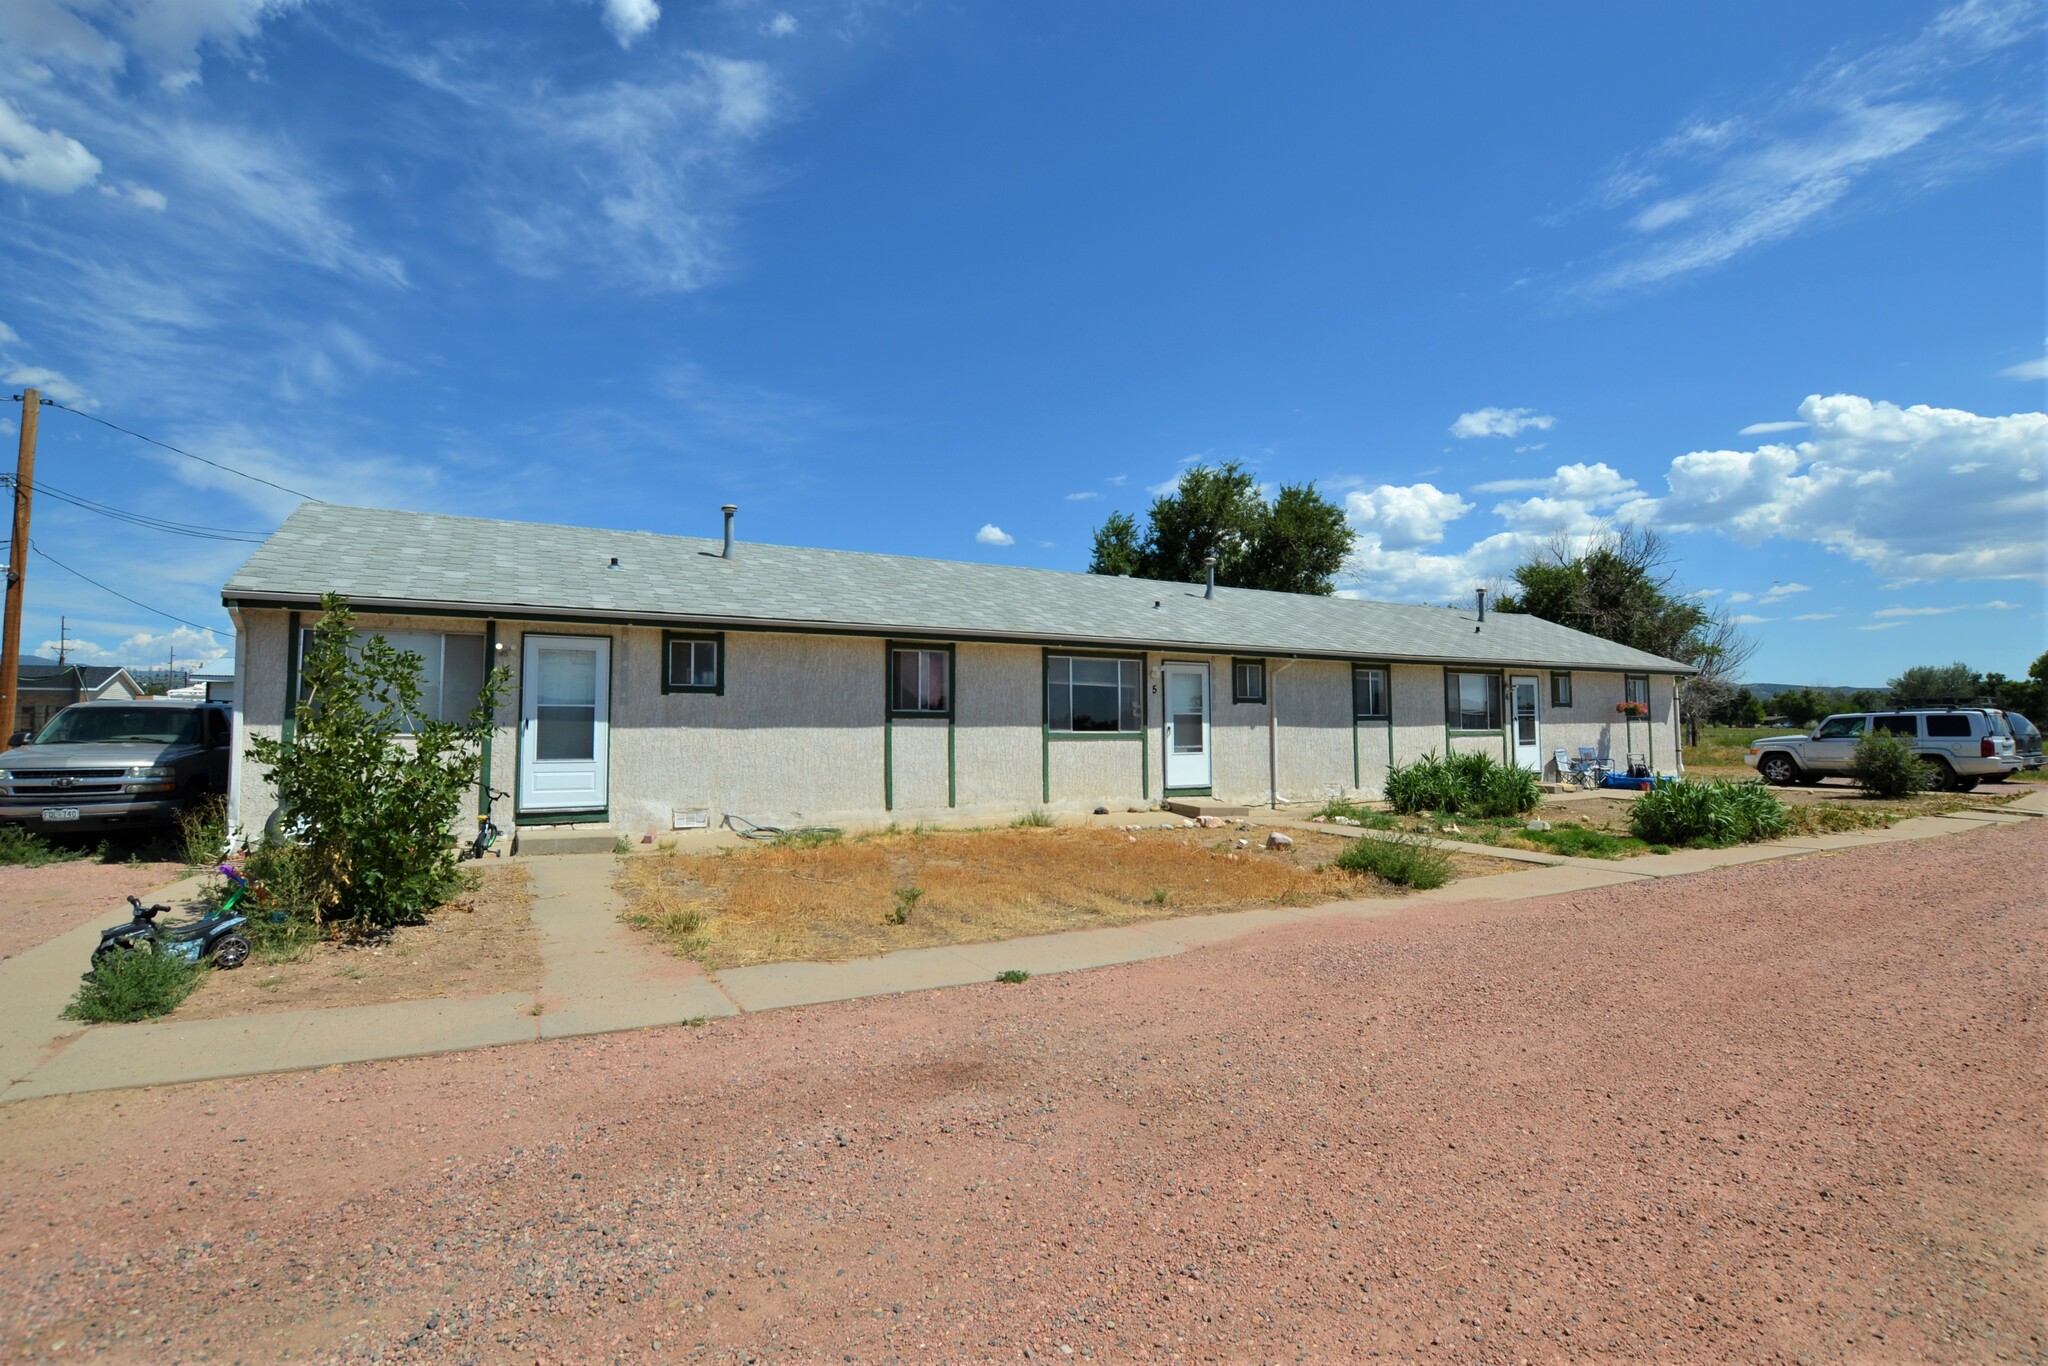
(216, 680)
(653, 677)
(47, 689)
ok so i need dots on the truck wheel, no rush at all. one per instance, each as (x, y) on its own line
(1940, 777)
(230, 951)
(1966, 784)
(1778, 770)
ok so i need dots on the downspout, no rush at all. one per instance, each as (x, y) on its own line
(1273, 732)
(237, 727)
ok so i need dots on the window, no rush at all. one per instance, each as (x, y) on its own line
(1089, 695)
(452, 669)
(1472, 701)
(1948, 726)
(1368, 692)
(1899, 725)
(920, 681)
(1840, 728)
(693, 663)
(1560, 690)
(1247, 680)
(1636, 688)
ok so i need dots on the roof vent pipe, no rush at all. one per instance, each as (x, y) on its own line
(729, 509)
(1482, 604)
(1209, 562)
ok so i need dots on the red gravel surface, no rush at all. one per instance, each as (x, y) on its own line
(38, 904)
(1783, 1112)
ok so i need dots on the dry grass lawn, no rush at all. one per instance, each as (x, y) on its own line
(479, 944)
(854, 898)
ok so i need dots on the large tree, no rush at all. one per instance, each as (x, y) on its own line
(1619, 587)
(1933, 685)
(1296, 542)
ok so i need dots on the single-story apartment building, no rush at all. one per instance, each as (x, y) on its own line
(661, 680)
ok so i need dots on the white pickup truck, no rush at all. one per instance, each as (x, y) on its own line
(1961, 746)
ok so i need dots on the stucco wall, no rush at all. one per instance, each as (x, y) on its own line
(798, 733)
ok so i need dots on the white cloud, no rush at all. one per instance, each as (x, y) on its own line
(630, 20)
(1905, 115)
(1748, 619)
(1914, 611)
(1817, 616)
(1999, 605)
(1500, 422)
(1742, 597)
(1082, 497)
(8, 335)
(1704, 593)
(167, 34)
(1883, 626)
(1117, 480)
(145, 649)
(782, 25)
(991, 534)
(1770, 428)
(1873, 483)
(140, 195)
(2027, 369)
(42, 159)
(1402, 518)
(51, 382)
(1778, 592)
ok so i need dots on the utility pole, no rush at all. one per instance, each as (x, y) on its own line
(17, 564)
(63, 639)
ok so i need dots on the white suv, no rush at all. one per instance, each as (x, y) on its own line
(1961, 746)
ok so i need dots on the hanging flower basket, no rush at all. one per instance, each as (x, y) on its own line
(1633, 708)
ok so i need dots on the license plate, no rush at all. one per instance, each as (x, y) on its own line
(60, 813)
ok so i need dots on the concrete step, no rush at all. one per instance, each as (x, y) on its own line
(1194, 807)
(533, 840)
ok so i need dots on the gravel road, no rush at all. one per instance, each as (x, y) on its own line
(1782, 1112)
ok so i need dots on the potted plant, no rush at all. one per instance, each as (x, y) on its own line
(1633, 708)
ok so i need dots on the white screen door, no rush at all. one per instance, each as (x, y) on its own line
(564, 722)
(1527, 742)
(1187, 725)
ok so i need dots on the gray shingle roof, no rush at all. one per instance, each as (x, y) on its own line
(394, 560)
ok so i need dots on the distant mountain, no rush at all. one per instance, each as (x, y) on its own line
(1768, 690)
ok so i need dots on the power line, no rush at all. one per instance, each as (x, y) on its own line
(175, 450)
(204, 533)
(115, 591)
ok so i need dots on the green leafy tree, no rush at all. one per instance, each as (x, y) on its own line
(1930, 685)
(1619, 588)
(371, 783)
(1294, 543)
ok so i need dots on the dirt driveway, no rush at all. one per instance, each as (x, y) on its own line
(1781, 1111)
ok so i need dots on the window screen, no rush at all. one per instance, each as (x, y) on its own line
(1089, 695)
(1248, 680)
(1472, 701)
(694, 664)
(452, 669)
(919, 682)
(1368, 692)
(1560, 690)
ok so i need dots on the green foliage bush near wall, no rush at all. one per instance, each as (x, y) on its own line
(1711, 813)
(1885, 765)
(133, 984)
(369, 785)
(1404, 861)
(1462, 785)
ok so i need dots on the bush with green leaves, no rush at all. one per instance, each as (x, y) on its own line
(133, 984)
(370, 784)
(1886, 766)
(1462, 785)
(21, 848)
(1710, 813)
(1404, 861)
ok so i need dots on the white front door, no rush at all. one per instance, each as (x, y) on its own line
(1187, 725)
(1523, 738)
(564, 714)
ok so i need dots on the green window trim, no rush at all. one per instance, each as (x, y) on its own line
(1240, 694)
(669, 639)
(1560, 690)
(896, 713)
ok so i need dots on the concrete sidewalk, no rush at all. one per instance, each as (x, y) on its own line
(599, 976)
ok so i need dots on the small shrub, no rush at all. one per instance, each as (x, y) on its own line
(1832, 818)
(906, 902)
(1577, 841)
(1406, 861)
(203, 832)
(1013, 975)
(1462, 784)
(1035, 819)
(21, 848)
(810, 837)
(129, 985)
(1712, 813)
(1886, 766)
(1160, 896)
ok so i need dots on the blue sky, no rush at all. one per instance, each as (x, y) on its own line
(960, 281)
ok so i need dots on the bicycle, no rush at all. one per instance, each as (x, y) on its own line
(487, 831)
